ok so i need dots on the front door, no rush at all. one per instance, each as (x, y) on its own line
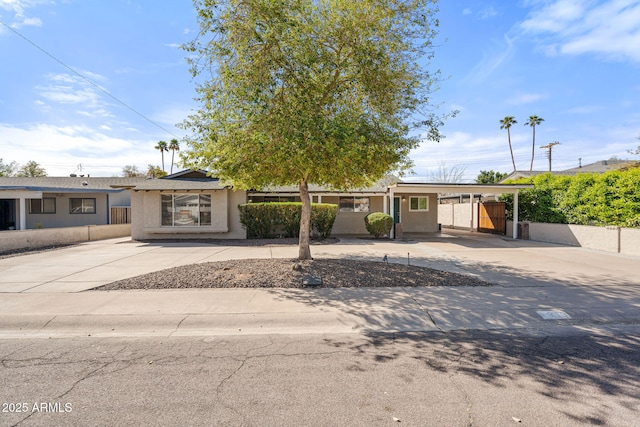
(7, 214)
(396, 210)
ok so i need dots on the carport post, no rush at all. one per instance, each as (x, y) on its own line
(385, 204)
(515, 214)
(392, 211)
(23, 214)
(471, 212)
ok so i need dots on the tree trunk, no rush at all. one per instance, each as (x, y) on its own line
(305, 221)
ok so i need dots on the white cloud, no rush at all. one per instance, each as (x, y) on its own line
(59, 149)
(526, 98)
(610, 29)
(474, 152)
(487, 12)
(72, 89)
(27, 22)
(19, 9)
(500, 53)
(585, 109)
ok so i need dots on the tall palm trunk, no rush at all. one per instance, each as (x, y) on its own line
(533, 147)
(513, 161)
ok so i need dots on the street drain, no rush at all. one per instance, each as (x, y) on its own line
(553, 315)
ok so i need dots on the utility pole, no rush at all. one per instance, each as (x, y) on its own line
(550, 148)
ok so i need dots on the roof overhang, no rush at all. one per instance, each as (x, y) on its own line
(417, 187)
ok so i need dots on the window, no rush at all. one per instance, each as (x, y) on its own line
(180, 210)
(46, 205)
(82, 206)
(354, 204)
(418, 204)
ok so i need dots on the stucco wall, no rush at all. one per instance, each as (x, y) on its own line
(630, 241)
(225, 219)
(611, 239)
(419, 222)
(20, 239)
(352, 223)
(458, 215)
(63, 218)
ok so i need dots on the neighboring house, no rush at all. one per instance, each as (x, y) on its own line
(51, 202)
(190, 205)
(601, 166)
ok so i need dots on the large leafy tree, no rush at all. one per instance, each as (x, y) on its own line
(155, 172)
(506, 123)
(300, 92)
(533, 121)
(31, 169)
(8, 169)
(132, 171)
(490, 177)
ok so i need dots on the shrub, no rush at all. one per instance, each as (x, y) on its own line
(264, 220)
(258, 219)
(378, 224)
(323, 215)
(611, 198)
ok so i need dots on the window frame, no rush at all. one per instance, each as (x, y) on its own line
(41, 207)
(200, 217)
(82, 205)
(357, 204)
(418, 209)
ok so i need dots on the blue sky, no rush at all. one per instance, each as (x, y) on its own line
(576, 63)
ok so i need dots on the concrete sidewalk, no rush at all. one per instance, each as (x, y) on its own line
(40, 293)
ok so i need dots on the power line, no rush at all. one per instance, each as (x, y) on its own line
(88, 80)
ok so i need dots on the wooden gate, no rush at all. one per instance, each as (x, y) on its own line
(492, 217)
(121, 215)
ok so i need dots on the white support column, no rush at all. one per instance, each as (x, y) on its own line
(319, 198)
(23, 213)
(471, 211)
(392, 212)
(385, 204)
(515, 215)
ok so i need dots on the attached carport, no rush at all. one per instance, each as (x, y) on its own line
(402, 193)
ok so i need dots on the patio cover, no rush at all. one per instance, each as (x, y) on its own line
(440, 188)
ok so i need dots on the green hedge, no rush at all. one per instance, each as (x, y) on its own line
(266, 220)
(611, 198)
(378, 224)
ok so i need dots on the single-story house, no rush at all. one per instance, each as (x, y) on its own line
(52, 202)
(189, 205)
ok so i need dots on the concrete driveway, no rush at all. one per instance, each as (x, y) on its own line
(41, 293)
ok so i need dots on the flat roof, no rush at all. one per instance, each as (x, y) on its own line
(430, 187)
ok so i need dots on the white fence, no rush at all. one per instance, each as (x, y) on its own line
(21, 239)
(458, 215)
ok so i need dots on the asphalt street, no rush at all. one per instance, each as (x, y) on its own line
(463, 378)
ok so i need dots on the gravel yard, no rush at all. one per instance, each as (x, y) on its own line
(289, 273)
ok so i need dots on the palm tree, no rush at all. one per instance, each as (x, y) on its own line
(162, 146)
(533, 122)
(506, 124)
(173, 146)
